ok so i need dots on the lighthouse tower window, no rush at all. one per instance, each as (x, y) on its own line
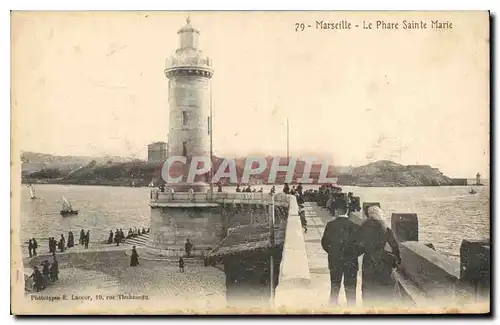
(184, 118)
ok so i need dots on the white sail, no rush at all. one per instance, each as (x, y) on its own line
(66, 205)
(152, 184)
(32, 192)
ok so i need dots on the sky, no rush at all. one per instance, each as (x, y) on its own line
(93, 83)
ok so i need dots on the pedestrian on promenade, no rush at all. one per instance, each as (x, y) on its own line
(46, 273)
(37, 279)
(35, 246)
(378, 282)
(52, 245)
(54, 270)
(286, 189)
(62, 243)
(181, 264)
(110, 238)
(188, 246)
(338, 241)
(134, 257)
(71, 240)
(87, 239)
(117, 237)
(30, 248)
(82, 236)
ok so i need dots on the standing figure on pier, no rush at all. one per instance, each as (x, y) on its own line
(273, 190)
(87, 239)
(53, 245)
(134, 257)
(110, 238)
(338, 241)
(62, 243)
(188, 246)
(82, 235)
(181, 264)
(46, 272)
(286, 189)
(54, 270)
(71, 239)
(299, 188)
(117, 237)
(37, 279)
(378, 282)
(35, 246)
(30, 248)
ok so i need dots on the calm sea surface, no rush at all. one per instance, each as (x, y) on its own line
(446, 214)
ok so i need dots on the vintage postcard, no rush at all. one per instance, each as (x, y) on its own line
(205, 162)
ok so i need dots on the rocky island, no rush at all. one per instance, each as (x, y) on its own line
(135, 172)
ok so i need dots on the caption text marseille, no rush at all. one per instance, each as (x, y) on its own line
(200, 165)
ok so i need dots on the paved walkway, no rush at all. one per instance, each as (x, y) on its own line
(317, 218)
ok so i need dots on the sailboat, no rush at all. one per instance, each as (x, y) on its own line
(32, 192)
(67, 210)
(152, 183)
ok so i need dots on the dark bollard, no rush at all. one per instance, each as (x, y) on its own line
(366, 205)
(405, 226)
(475, 269)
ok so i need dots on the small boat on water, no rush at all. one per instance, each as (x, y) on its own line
(67, 209)
(472, 191)
(32, 192)
(152, 183)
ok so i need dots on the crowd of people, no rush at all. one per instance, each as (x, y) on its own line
(48, 275)
(119, 236)
(62, 244)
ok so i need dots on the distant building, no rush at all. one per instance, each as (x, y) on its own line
(157, 151)
(478, 179)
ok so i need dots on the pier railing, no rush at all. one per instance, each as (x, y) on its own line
(157, 196)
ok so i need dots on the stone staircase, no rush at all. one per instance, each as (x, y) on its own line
(139, 241)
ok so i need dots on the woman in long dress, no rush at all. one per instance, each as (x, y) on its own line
(134, 258)
(71, 240)
(378, 282)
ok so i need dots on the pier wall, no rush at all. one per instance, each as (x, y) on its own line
(171, 226)
(203, 218)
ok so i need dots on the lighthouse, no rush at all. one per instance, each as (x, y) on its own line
(174, 217)
(478, 179)
(189, 72)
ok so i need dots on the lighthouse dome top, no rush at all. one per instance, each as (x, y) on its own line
(188, 55)
(188, 28)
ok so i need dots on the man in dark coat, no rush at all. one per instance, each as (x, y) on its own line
(338, 241)
(110, 238)
(87, 239)
(82, 236)
(54, 270)
(37, 279)
(35, 246)
(30, 248)
(188, 246)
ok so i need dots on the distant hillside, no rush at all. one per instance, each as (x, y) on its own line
(34, 161)
(125, 172)
(388, 173)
